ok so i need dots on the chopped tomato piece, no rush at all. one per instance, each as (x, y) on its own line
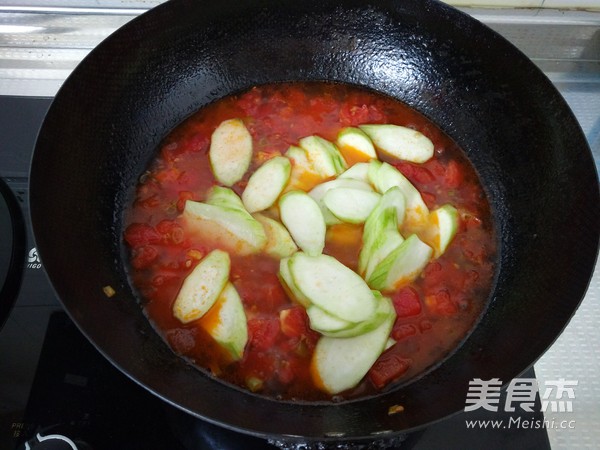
(296, 97)
(387, 368)
(263, 333)
(196, 143)
(351, 114)
(375, 115)
(171, 231)
(403, 330)
(415, 173)
(294, 321)
(436, 168)
(295, 325)
(143, 257)
(454, 176)
(264, 295)
(290, 344)
(250, 101)
(408, 170)
(262, 291)
(406, 302)
(322, 105)
(423, 176)
(441, 303)
(138, 234)
(167, 175)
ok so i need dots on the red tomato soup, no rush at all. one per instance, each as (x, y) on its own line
(433, 310)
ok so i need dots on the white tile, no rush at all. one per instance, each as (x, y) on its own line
(497, 3)
(557, 4)
(580, 4)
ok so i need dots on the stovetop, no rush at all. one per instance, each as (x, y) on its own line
(53, 382)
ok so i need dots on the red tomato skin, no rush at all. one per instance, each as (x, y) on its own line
(143, 257)
(406, 302)
(454, 175)
(265, 296)
(387, 368)
(441, 303)
(138, 234)
(171, 231)
(352, 115)
(263, 333)
(403, 330)
(294, 323)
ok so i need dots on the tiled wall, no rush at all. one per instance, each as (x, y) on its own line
(570, 4)
(578, 4)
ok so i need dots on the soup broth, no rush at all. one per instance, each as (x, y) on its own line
(433, 309)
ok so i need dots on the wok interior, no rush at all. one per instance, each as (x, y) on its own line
(108, 119)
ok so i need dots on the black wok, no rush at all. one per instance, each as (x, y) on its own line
(110, 115)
